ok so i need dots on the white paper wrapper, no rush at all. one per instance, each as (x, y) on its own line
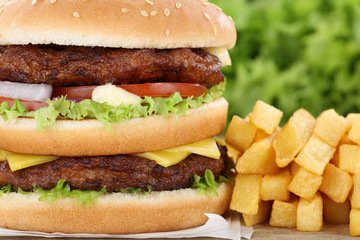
(216, 226)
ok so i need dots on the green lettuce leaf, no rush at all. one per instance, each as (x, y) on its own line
(5, 189)
(206, 184)
(135, 190)
(87, 198)
(62, 108)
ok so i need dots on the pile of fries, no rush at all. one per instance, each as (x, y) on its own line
(299, 175)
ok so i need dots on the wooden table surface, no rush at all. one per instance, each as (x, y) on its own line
(329, 232)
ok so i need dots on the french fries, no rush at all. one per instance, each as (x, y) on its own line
(246, 194)
(299, 129)
(265, 117)
(305, 184)
(315, 155)
(274, 187)
(307, 170)
(283, 214)
(336, 183)
(259, 158)
(240, 141)
(331, 127)
(309, 217)
(261, 216)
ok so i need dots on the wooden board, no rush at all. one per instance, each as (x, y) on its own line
(329, 232)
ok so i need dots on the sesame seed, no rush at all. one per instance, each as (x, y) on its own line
(167, 32)
(153, 13)
(1, 5)
(205, 3)
(76, 14)
(215, 31)
(1, 10)
(52, 1)
(230, 18)
(33, 2)
(167, 12)
(178, 5)
(150, 2)
(207, 16)
(218, 8)
(125, 10)
(144, 13)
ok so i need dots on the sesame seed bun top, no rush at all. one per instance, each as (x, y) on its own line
(116, 23)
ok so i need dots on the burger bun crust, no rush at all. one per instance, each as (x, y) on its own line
(116, 213)
(113, 23)
(91, 138)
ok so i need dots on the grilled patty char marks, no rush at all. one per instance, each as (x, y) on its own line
(114, 172)
(63, 66)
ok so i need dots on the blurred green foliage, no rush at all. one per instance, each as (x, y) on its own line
(294, 53)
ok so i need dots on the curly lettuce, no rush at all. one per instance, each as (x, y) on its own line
(208, 184)
(62, 108)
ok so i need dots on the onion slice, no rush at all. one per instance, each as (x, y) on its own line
(25, 91)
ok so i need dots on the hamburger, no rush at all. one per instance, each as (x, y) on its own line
(108, 113)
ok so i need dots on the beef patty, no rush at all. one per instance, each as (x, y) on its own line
(63, 66)
(115, 172)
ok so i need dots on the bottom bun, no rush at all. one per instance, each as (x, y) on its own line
(116, 213)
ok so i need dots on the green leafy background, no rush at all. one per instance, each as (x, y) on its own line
(294, 53)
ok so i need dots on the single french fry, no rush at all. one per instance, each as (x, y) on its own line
(261, 216)
(275, 186)
(354, 133)
(298, 129)
(283, 214)
(240, 134)
(336, 183)
(265, 117)
(355, 222)
(246, 194)
(348, 158)
(352, 118)
(309, 217)
(258, 159)
(336, 212)
(315, 155)
(305, 184)
(331, 127)
(355, 195)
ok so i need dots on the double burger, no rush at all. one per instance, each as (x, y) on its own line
(108, 112)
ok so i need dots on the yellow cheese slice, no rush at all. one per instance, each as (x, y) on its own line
(232, 152)
(221, 53)
(2, 156)
(172, 156)
(19, 161)
(164, 158)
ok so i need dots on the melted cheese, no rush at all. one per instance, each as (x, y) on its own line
(19, 161)
(165, 158)
(2, 156)
(172, 156)
(221, 53)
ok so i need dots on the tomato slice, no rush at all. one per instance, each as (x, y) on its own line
(29, 105)
(142, 90)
